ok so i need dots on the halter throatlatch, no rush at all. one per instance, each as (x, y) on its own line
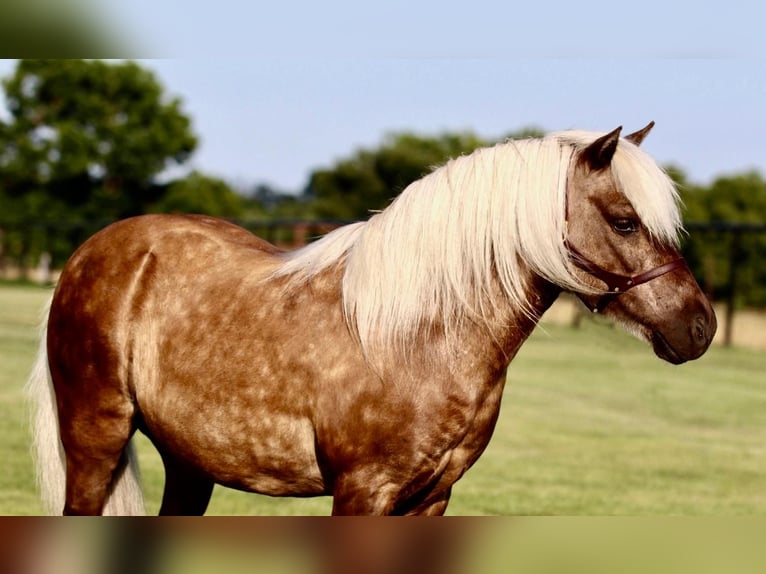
(615, 282)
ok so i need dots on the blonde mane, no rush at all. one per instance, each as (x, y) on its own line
(439, 251)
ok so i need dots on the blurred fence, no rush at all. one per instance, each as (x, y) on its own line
(732, 237)
(35, 252)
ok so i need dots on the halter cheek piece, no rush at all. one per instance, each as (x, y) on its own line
(616, 283)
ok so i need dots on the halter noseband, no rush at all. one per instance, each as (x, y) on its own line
(615, 282)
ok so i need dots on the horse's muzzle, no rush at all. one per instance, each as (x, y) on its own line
(686, 341)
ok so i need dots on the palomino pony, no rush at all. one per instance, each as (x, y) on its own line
(368, 365)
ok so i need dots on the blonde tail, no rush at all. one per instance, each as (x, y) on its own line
(125, 497)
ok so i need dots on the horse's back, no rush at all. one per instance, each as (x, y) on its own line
(168, 244)
(159, 233)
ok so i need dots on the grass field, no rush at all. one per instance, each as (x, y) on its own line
(592, 423)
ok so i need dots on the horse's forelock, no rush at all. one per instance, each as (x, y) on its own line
(651, 191)
(645, 184)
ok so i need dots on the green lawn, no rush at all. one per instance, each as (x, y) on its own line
(592, 423)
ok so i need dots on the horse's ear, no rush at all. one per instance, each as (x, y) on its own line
(598, 155)
(637, 137)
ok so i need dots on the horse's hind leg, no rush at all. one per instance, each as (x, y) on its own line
(94, 445)
(187, 492)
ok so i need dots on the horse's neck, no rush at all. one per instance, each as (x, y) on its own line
(503, 334)
(476, 351)
(485, 346)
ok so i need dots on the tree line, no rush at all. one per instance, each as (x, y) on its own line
(86, 142)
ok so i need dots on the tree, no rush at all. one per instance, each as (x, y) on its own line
(731, 200)
(84, 142)
(91, 134)
(268, 202)
(198, 193)
(369, 179)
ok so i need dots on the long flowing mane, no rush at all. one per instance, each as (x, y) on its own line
(439, 252)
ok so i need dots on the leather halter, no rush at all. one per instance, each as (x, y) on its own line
(615, 282)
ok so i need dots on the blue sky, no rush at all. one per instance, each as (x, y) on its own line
(275, 93)
(276, 120)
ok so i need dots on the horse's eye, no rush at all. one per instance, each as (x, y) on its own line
(625, 226)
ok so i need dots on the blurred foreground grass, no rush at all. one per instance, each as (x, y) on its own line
(592, 424)
(529, 545)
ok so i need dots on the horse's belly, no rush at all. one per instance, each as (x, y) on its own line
(267, 453)
(275, 456)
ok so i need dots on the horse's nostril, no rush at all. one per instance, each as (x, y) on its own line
(700, 329)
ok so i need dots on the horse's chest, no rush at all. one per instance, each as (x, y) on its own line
(427, 441)
(478, 429)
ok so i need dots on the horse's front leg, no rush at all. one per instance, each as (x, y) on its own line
(364, 493)
(433, 506)
(400, 546)
(370, 493)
